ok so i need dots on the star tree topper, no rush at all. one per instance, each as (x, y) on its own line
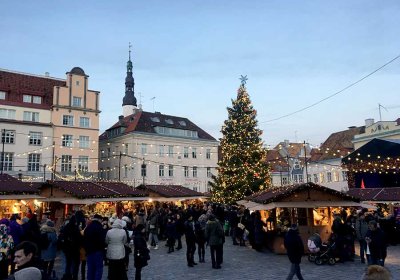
(243, 79)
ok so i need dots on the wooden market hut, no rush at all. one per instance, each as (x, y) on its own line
(17, 196)
(309, 205)
(171, 193)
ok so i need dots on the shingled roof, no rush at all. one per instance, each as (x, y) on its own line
(276, 161)
(11, 185)
(97, 189)
(169, 191)
(145, 122)
(17, 84)
(277, 194)
(376, 194)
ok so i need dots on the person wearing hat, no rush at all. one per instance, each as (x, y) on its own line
(49, 248)
(94, 237)
(6, 246)
(295, 250)
(116, 240)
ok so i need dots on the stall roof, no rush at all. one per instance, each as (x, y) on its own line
(12, 186)
(277, 194)
(373, 149)
(376, 194)
(99, 189)
(171, 191)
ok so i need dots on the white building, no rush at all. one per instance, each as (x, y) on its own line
(154, 148)
(385, 130)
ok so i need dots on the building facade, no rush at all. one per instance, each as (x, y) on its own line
(31, 118)
(153, 148)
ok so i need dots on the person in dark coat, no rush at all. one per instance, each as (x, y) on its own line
(170, 233)
(215, 236)
(376, 241)
(295, 250)
(180, 230)
(190, 235)
(16, 233)
(94, 240)
(71, 248)
(141, 253)
(258, 232)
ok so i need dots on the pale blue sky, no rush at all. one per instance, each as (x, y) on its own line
(190, 54)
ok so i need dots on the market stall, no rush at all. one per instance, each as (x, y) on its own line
(17, 197)
(309, 205)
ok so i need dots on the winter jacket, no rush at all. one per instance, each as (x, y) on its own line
(94, 237)
(377, 246)
(190, 233)
(49, 253)
(116, 240)
(214, 232)
(141, 253)
(361, 229)
(294, 246)
(6, 242)
(16, 231)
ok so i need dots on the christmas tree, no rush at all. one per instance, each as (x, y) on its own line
(242, 169)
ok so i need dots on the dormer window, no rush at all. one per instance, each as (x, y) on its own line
(182, 123)
(2, 95)
(155, 119)
(169, 121)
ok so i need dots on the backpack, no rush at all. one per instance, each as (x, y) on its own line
(44, 241)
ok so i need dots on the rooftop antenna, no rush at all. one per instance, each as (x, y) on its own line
(380, 115)
(153, 102)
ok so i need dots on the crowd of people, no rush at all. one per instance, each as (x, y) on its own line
(91, 243)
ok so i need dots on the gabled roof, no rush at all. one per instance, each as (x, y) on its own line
(17, 84)
(97, 189)
(276, 161)
(11, 185)
(277, 194)
(171, 191)
(293, 149)
(338, 143)
(376, 194)
(146, 122)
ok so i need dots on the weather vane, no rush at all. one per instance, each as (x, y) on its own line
(243, 79)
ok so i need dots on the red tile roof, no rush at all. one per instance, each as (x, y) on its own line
(172, 191)
(142, 121)
(11, 185)
(277, 194)
(17, 84)
(376, 194)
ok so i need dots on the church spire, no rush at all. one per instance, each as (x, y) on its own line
(129, 100)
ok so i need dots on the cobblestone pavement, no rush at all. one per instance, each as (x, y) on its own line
(245, 263)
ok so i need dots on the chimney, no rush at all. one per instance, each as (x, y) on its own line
(46, 74)
(286, 143)
(120, 119)
(369, 122)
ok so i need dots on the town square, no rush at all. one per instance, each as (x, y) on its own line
(199, 139)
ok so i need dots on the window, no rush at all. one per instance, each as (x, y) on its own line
(31, 116)
(33, 162)
(2, 95)
(155, 119)
(208, 153)
(144, 148)
(186, 171)
(170, 170)
(284, 180)
(84, 142)
(344, 175)
(195, 189)
(66, 163)
(300, 178)
(185, 152)
(194, 171)
(77, 83)
(169, 121)
(296, 165)
(329, 177)
(144, 170)
(321, 177)
(171, 151)
(7, 114)
(209, 172)
(76, 101)
(37, 100)
(336, 176)
(35, 138)
(182, 123)
(125, 170)
(126, 148)
(194, 153)
(8, 136)
(68, 120)
(116, 171)
(108, 172)
(176, 132)
(84, 122)
(27, 98)
(315, 178)
(161, 150)
(83, 163)
(7, 161)
(161, 170)
(108, 152)
(308, 178)
(67, 140)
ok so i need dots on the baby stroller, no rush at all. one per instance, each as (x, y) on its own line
(320, 253)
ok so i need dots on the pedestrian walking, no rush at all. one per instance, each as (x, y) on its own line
(295, 250)
(141, 252)
(49, 246)
(153, 229)
(215, 236)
